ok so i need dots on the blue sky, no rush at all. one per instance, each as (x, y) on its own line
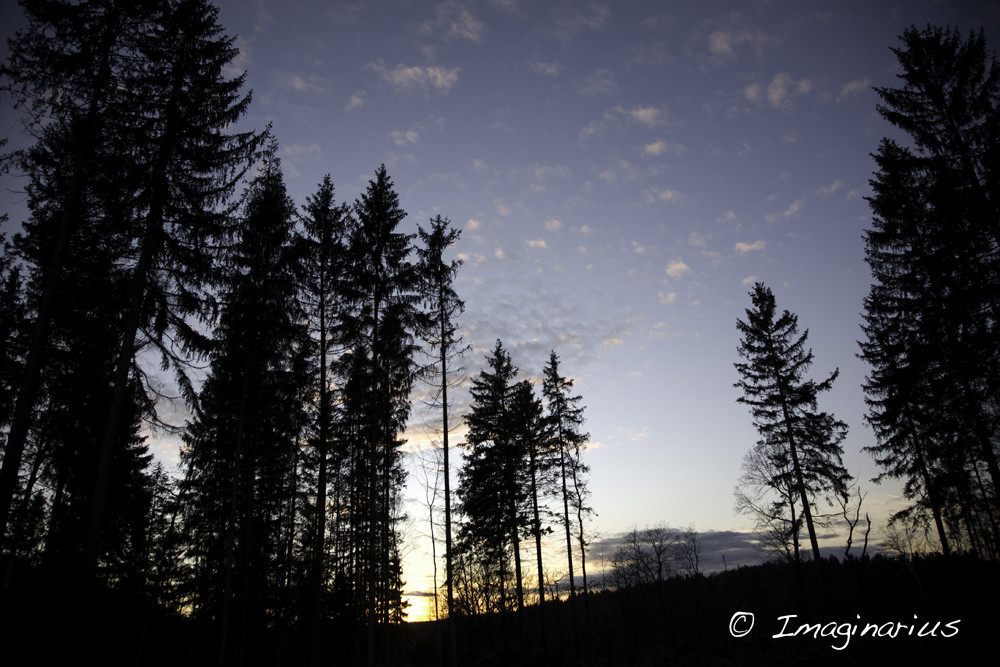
(622, 173)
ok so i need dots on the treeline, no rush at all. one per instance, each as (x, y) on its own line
(929, 325)
(162, 243)
(523, 478)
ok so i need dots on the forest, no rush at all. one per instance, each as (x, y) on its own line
(163, 259)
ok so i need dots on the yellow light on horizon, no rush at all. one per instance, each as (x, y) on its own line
(421, 608)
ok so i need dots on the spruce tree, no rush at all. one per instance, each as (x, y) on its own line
(62, 74)
(380, 322)
(323, 250)
(443, 307)
(240, 450)
(930, 317)
(492, 489)
(784, 403)
(565, 419)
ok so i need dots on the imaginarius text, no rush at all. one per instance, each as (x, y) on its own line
(849, 629)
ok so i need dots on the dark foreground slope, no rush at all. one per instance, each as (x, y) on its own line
(878, 611)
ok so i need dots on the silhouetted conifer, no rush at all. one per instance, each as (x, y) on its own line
(930, 317)
(783, 403)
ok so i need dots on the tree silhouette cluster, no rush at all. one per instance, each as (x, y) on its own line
(293, 337)
(522, 456)
(930, 318)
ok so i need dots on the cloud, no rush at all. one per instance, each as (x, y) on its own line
(356, 101)
(537, 244)
(662, 147)
(570, 19)
(473, 224)
(601, 82)
(454, 23)
(608, 343)
(466, 26)
(724, 44)
(479, 164)
(545, 68)
(657, 147)
(832, 188)
(501, 254)
(302, 150)
(401, 138)
(783, 87)
(744, 248)
(749, 280)
(794, 208)
(666, 195)
(311, 84)
(853, 88)
(779, 93)
(553, 225)
(677, 268)
(544, 174)
(718, 44)
(648, 116)
(667, 298)
(406, 79)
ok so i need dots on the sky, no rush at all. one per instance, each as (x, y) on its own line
(622, 173)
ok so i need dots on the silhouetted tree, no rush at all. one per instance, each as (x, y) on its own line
(381, 319)
(240, 449)
(444, 307)
(565, 419)
(930, 317)
(784, 404)
(492, 489)
(323, 271)
(61, 74)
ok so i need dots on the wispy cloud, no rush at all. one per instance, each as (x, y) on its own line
(853, 88)
(662, 147)
(466, 26)
(744, 248)
(665, 195)
(401, 138)
(309, 83)
(831, 189)
(601, 82)
(537, 244)
(667, 298)
(571, 18)
(545, 68)
(356, 101)
(724, 44)
(677, 268)
(553, 225)
(617, 116)
(779, 92)
(407, 79)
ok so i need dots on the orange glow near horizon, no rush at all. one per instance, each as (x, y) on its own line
(421, 608)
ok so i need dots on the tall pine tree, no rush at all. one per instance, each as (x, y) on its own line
(930, 317)
(240, 450)
(784, 404)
